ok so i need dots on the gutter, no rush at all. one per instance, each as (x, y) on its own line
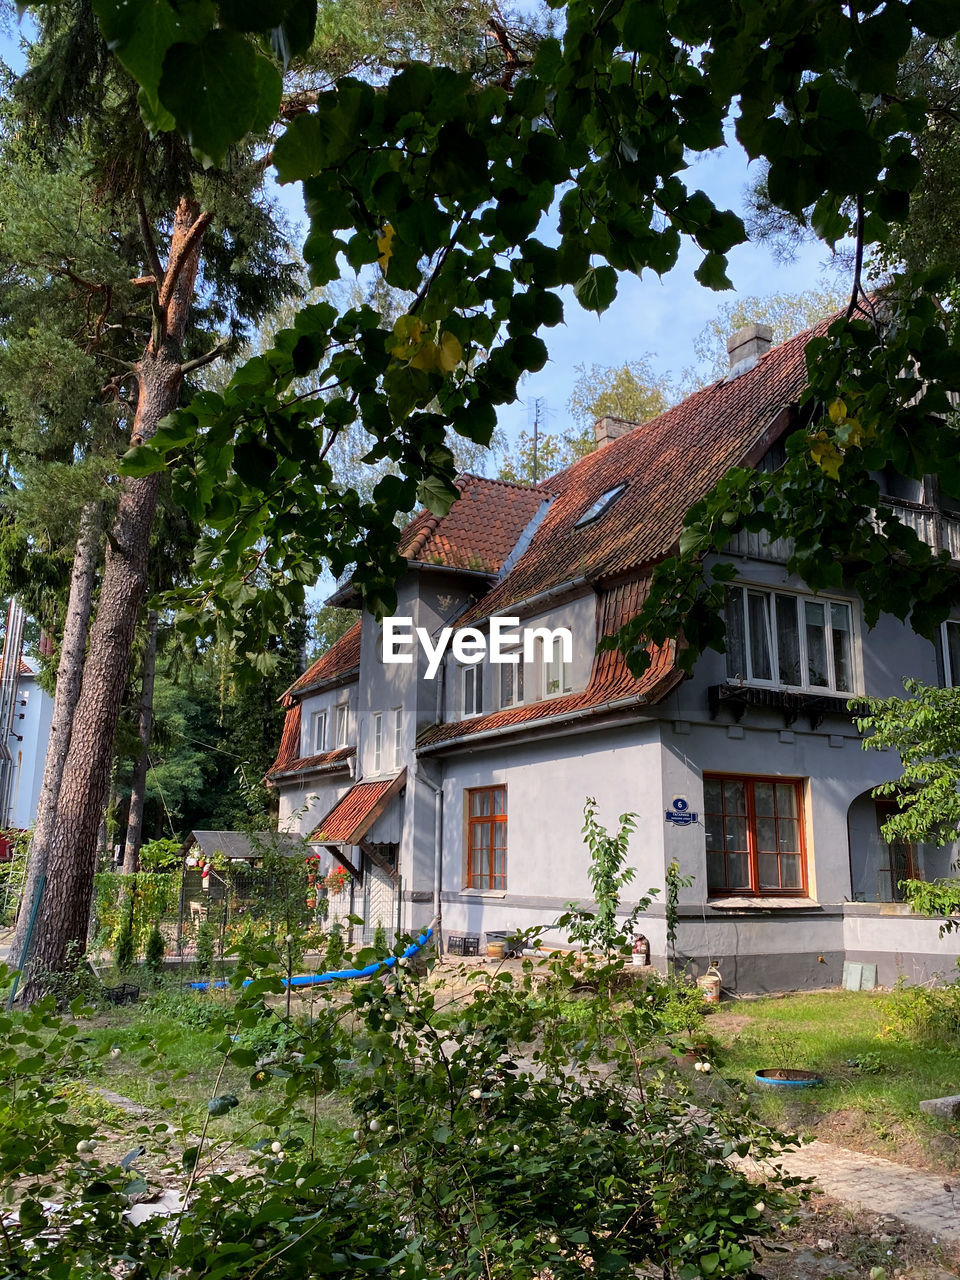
(615, 704)
(437, 844)
(542, 597)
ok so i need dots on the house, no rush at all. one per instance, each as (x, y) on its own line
(462, 795)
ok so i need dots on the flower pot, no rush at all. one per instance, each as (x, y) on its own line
(311, 903)
(787, 1078)
(311, 879)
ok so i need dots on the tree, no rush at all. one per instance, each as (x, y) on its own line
(786, 313)
(327, 624)
(530, 463)
(631, 391)
(924, 729)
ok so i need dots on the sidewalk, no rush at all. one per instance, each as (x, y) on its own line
(926, 1201)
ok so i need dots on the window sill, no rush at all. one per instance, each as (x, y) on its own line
(756, 903)
(483, 893)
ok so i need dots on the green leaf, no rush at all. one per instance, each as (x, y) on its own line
(224, 1103)
(597, 289)
(199, 86)
(141, 461)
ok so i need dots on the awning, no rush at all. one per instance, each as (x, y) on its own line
(352, 817)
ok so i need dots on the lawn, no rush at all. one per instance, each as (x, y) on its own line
(164, 1056)
(872, 1082)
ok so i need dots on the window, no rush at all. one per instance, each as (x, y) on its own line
(377, 741)
(343, 724)
(318, 732)
(754, 835)
(511, 683)
(597, 508)
(397, 736)
(798, 641)
(487, 838)
(557, 674)
(471, 690)
(951, 653)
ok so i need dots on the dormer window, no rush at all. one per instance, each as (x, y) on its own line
(597, 508)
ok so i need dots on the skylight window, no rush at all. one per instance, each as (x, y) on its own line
(596, 509)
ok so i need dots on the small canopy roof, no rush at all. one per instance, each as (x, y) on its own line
(355, 813)
(238, 845)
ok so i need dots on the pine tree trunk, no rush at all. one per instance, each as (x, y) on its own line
(69, 676)
(131, 848)
(72, 860)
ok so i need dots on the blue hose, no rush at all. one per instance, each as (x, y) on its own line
(312, 979)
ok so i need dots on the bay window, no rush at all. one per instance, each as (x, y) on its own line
(754, 835)
(801, 642)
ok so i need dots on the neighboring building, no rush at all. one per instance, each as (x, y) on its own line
(464, 794)
(32, 712)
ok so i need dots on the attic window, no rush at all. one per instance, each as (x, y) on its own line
(597, 508)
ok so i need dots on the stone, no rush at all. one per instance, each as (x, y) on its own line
(942, 1108)
(825, 1246)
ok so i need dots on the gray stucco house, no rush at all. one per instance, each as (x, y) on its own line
(462, 795)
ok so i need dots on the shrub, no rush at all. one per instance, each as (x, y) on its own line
(336, 949)
(206, 943)
(124, 952)
(928, 1017)
(155, 950)
(380, 944)
(679, 1005)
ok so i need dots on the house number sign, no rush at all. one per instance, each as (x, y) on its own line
(680, 814)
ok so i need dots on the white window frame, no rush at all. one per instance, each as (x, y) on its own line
(801, 599)
(343, 724)
(514, 669)
(951, 678)
(397, 736)
(318, 732)
(377, 740)
(471, 674)
(548, 666)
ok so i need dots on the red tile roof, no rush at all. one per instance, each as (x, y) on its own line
(667, 463)
(325, 762)
(353, 815)
(610, 681)
(480, 529)
(338, 660)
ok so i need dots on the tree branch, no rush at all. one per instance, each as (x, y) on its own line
(189, 365)
(149, 244)
(179, 257)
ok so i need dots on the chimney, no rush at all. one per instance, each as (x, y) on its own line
(746, 346)
(609, 429)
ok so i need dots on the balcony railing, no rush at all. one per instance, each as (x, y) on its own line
(938, 529)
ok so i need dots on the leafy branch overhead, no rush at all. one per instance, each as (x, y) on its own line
(483, 202)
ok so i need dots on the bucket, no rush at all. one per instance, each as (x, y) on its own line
(709, 984)
(496, 950)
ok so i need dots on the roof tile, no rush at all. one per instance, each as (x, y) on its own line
(480, 529)
(610, 680)
(340, 658)
(667, 463)
(353, 815)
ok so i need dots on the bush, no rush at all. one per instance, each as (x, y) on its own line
(206, 944)
(155, 950)
(927, 1017)
(336, 949)
(380, 945)
(124, 952)
(679, 1005)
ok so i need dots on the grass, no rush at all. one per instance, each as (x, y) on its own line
(155, 1055)
(873, 1084)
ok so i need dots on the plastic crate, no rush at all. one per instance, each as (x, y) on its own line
(125, 993)
(463, 944)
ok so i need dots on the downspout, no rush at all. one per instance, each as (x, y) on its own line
(437, 849)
